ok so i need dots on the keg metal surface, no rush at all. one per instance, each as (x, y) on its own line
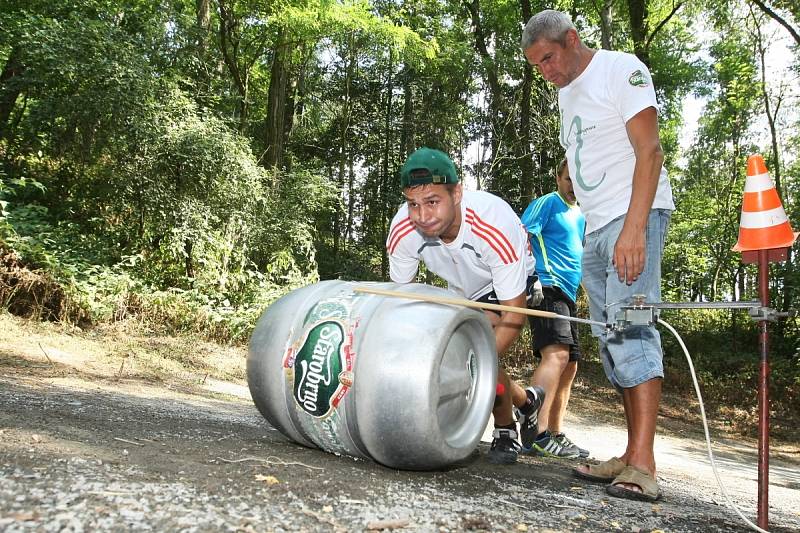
(406, 383)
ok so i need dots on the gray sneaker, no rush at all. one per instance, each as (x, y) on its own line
(548, 446)
(564, 440)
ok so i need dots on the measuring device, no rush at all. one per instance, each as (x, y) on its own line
(641, 313)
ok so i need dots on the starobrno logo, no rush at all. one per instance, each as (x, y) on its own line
(638, 79)
(317, 366)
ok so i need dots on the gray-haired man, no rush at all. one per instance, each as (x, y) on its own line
(609, 130)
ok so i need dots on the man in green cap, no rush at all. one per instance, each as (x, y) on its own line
(475, 242)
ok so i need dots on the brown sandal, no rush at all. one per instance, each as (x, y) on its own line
(603, 472)
(635, 476)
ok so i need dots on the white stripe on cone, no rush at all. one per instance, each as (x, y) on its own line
(761, 182)
(763, 219)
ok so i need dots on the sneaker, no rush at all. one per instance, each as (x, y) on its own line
(548, 446)
(564, 440)
(529, 419)
(505, 447)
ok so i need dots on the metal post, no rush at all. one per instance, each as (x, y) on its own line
(763, 395)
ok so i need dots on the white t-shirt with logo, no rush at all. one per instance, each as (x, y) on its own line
(491, 251)
(594, 110)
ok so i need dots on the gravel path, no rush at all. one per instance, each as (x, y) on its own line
(83, 453)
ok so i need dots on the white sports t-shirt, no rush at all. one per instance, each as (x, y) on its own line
(491, 251)
(594, 110)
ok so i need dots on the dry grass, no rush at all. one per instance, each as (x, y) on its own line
(118, 350)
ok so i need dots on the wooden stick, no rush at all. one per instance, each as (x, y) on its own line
(271, 460)
(129, 441)
(396, 523)
(45, 353)
(475, 305)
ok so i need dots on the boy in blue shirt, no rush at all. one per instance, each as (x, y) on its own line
(556, 225)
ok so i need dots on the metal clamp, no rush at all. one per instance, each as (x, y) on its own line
(641, 313)
(760, 314)
(638, 315)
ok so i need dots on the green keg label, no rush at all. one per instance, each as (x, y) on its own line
(317, 365)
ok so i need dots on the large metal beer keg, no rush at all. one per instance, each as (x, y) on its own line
(409, 384)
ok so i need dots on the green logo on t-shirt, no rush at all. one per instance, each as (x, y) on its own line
(638, 79)
(577, 126)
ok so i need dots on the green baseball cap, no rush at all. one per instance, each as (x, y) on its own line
(427, 165)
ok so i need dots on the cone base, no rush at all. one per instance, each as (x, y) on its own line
(765, 238)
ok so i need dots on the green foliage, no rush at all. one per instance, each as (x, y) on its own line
(141, 193)
(134, 180)
(726, 356)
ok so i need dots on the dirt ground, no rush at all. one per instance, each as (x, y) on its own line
(107, 432)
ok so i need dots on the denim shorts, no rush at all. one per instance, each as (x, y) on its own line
(632, 356)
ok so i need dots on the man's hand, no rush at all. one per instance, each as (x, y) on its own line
(537, 295)
(629, 254)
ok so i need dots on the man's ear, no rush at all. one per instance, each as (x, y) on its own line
(571, 37)
(458, 192)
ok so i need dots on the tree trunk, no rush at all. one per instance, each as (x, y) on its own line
(188, 247)
(295, 101)
(771, 116)
(10, 89)
(786, 301)
(275, 130)
(344, 128)
(638, 17)
(385, 204)
(202, 72)
(495, 93)
(606, 17)
(203, 11)
(407, 136)
(524, 145)
(777, 18)
(351, 198)
(229, 46)
(337, 217)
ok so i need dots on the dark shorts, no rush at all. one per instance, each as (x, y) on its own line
(547, 331)
(491, 297)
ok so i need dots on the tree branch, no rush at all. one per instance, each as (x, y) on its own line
(778, 19)
(662, 24)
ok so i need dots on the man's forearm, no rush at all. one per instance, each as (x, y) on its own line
(643, 134)
(507, 331)
(510, 325)
(645, 184)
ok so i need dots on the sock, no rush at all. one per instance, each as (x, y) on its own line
(527, 409)
(512, 426)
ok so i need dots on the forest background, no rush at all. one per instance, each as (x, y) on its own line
(183, 163)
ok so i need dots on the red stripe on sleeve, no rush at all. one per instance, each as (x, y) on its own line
(499, 235)
(398, 238)
(402, 223)
(493, 243)
(394, 233)
(500, 239)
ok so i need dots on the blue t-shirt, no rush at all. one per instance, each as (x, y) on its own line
(556, 230)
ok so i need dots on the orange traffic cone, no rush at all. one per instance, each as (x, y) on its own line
(764, 224)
